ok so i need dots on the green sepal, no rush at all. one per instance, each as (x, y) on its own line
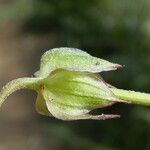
(69, 113)
(73, 59)
(41, 107)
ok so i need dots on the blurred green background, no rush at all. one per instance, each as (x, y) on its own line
(116, 30)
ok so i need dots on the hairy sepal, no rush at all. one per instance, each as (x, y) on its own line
(74, 60)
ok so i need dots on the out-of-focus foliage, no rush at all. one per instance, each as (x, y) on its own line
(15, 9)
(118, 30)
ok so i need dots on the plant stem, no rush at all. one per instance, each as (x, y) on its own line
(17, 84)
(132, 96)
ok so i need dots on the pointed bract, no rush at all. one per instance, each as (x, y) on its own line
(74, 60)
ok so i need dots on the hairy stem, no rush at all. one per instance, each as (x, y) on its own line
(14, 85)
(132, 96)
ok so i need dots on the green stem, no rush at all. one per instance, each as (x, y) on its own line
(132, 96)
(17, 84)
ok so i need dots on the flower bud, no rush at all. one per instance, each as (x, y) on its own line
(69, 87)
